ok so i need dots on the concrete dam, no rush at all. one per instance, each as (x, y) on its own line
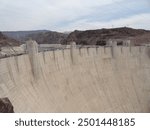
(98, 79)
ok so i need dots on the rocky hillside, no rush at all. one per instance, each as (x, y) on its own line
(21, 35)
(49, 37)
(6, 106)
(141, 39)
(5, 41)
(41, 36)
(93, 37)
(88, 37)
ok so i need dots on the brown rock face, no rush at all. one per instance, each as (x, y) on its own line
(94, 37)
(5, 41)
(40, 36)
(49, 37)
(6, 106)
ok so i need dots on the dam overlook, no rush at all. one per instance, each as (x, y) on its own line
(78, 79)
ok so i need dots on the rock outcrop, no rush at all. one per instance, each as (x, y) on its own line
(5, 41)
(95, 37)
(6, 106)
(49, 37)
(22, 36)
(88, 37)
(41, 36)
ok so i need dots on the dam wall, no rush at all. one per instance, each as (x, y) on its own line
(101, 79)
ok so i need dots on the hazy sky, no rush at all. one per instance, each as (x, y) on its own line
(68, 15)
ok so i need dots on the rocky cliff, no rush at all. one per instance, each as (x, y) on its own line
(6, 41)
(49, 37)
(88, 37)
(6, 106)
(41, 36)
(93, 37)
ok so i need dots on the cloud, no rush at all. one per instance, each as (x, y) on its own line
(136, 21)
(66, 14)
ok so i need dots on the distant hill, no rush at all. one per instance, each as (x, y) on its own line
(41, 36)
(21, 35)
(92, 37)
(88, 37)
(6, 41)
(49, 37)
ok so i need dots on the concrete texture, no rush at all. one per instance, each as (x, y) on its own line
(92, 82)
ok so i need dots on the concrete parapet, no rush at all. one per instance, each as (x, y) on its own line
(148, 52)
(114, 49)
(127, 42)
(73, 52)
(80, 53)
(110, 42)
(32, 50)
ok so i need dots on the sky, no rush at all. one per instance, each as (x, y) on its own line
(69, 15)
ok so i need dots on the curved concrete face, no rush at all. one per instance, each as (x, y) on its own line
(93, 81)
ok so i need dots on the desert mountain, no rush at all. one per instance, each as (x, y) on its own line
(49, 37)
(21, 35)
(92, 37)
(41, 36)
(88, 37)
(6, 41)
